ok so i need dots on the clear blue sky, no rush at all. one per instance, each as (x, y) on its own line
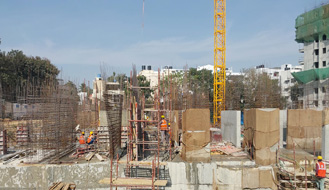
(79, 35)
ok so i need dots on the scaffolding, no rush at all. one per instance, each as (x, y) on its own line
(143, 168)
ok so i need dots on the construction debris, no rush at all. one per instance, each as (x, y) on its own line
(62, 186)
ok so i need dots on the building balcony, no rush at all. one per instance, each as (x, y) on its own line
(301, 61)
(301, 50)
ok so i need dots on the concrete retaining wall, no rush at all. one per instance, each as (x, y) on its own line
(183, 176)
(86, 176)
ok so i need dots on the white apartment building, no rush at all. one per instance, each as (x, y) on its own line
(152, 75)
(283, 75)
(312, 30)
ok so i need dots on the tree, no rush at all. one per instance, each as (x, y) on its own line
(253, 90)
(18, 70)
(84, 88)
(143, 82)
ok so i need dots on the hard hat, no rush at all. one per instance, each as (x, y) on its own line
(168, 123)
(162, 116)
(319, 157)
(83, 132)
(91, 132)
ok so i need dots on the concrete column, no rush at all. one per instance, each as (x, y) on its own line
(231, 127)
(283, 127)
(325, 142)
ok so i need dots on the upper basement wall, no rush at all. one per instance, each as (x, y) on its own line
(229, 175)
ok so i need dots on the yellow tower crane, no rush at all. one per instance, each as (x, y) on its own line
(219, 59)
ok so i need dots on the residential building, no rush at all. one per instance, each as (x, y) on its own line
(312, 29)
(284, 77)
(152, 75)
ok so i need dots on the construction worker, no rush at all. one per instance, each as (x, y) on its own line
(320, 173)
(82, 140)
(91, 138)
(164, 129)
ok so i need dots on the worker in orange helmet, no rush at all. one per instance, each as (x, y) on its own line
(91, 138)
(82, 140)
(320, 173)
(164, 129)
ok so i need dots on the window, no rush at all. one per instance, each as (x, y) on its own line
(324, 50)
(324, 89)
(316, 90)
(316, 52)
(316, 39)
(316, 103)
(293, 80)
(316, 64)
(324, 102)
(324, 63)
(324, 37)
(17, 105)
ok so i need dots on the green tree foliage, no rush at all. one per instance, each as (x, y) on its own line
(84, 88)
(17, 70)
(143, 82)
(120, 78)
(202, 80)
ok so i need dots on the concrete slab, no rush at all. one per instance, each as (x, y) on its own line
(325, 142)
(231, 127)
(283, 127)
(103, 118)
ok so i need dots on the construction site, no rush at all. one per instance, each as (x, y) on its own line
(176, 133)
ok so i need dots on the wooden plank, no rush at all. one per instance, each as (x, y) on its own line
(66, 187)
(100, 158)
(59, 186)
(142, 163)
(134, 182)
(54, 186)
(89, 156)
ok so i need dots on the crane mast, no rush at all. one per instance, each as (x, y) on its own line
(219, 59)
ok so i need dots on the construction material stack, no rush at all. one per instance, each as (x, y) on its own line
(22, 136)
(3, 142)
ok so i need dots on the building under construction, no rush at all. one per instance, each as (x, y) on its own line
(171, 133)
(312, 31)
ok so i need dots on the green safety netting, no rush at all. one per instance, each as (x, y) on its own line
(311, 75)
(312, 24)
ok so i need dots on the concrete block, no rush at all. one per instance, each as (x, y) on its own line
(325, 142)
(231, 127)
(231, 178)
(250, 178)
(283, 126)
(103, 118)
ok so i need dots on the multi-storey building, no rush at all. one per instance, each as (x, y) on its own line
(284, 77)
(312, 30)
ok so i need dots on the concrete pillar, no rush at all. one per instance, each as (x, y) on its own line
(283, 127)
(325, 142)
(231, 127)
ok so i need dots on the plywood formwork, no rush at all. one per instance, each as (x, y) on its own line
(304, 129)
(196, 131)
(262, 133)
